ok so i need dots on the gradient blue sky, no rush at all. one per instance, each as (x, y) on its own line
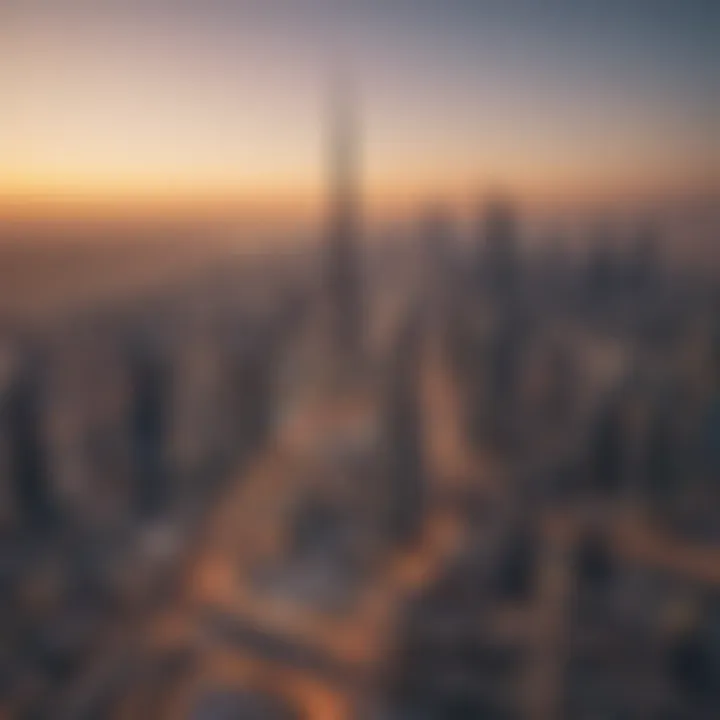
(140, 98)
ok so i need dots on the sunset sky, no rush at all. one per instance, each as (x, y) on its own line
(105, 99)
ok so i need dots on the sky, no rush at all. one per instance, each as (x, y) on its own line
(221, 100)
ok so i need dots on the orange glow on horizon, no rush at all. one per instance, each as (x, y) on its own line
(304, 202)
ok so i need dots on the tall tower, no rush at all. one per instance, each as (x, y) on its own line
(499, 229)
(342, 271)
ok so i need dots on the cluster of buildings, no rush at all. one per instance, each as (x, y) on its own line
(587, 583)
(490, 489)
(120, 427)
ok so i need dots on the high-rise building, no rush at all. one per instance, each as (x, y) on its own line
(601, 273)
(607, 451)
(643, 263)
(661, 464)
(28, 459)
(150, 380)
(437, 235)
(405, 478)
(499, 236)
(251, 388)
(504, 363)
(342, 271)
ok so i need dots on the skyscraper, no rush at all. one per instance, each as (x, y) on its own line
(149, 378)
(499, 233)
(342, 271)
(24, 409)
(403, 435)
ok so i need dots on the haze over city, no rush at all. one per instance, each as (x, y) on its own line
(359, 360)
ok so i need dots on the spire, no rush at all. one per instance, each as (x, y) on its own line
(343, 141)
(342, 270)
